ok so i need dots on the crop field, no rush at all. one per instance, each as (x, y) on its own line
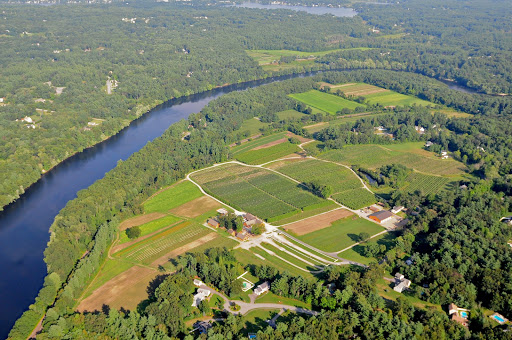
(158, 245)
(262, 192)
(253, 125)
(315, 223)
(290, 114)
(341, 234)
(378, 95)
(257, 142)
(264, 57)
(336, 176)
(267, 154)
(356, 253)
(324, 101)
(172, 197)
(409, 154)
(355, 198)
(151, 227)
(426, 184)
(292, 259)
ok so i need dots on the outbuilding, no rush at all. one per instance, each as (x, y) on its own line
(381, 216)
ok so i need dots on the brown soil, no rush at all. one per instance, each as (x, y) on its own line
(300, 138)
(317, 222)
(181, 250)
(196, 207)
(315, 125)
(268, 145)
(365, 91)
(125, 290)
(140, 220)
(246, 140)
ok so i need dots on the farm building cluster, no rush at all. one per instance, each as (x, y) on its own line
(241, 226)
(387, 218)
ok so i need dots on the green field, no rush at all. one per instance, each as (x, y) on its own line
(290, 114)
(260, 191)
(324, 101)
(333, 175)
(265, 57)
(248, 257)
(172, 197)
(308, 213)
(151, 227)
(256, 142)
(355, 198)
(290, 258)
(356, 253)
(265, 155)
(273, 298)
(253, 125)
(256, 320)
(427, 184)
(409, 154)
(340, 234)
(378, 95)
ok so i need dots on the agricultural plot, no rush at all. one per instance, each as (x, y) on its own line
(290, 114)
(426, 184)
(265, 57)
(378, 95)
(299, 262)
(257, 142)
(326, 102)
(158, 245)
(341, 234)
(267, 154)
(151, 227)
(262, 192)
(355, 198)
(335, 176)
(253, 125)
(356, 253)
(172, 197)
(409, 154)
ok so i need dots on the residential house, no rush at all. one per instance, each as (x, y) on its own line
(213, 222)
(202, 326)
(396, 209)
(459, 315)
(222, 211)
(262, 288)
(401, 283)
(231, 232)
(27, 119)
(200, 296)
(409, 261)
(197, 282)
(428, 144)
(2, 100)
(242, 236)
(381, 216)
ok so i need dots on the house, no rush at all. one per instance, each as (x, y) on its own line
(249, 217)
(374, 208)
(250, 220)
(200, 296)
(381, 216)
(409, 261)
(27, 119)
(396, 209)
(428, 144)
(231, 232)
(242, 236)
(213, 222)
(202, 326)
(262, 288)
(457, 318)
(222, 211)
(459, 315)
(445, 157)
(452, 308)
(419, 129)
(401, 283)
(2, 100)
(197, 282)
(463, 187)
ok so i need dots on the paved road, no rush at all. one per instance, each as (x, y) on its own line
(247, 307)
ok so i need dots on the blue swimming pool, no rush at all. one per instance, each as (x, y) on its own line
(464, 315)
(498, 318)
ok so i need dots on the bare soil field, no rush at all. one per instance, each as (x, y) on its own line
(196, 207)
(300, 138)
(126, 290)
(316, 125)
(317, 222)
(366, 91)
(182, 250)
(140, 220)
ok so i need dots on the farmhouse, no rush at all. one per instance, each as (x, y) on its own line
(250, 220)
(262, 288)
(381, 216)
(200, 296)
(242, 236)
(401, 283)
(213, 222)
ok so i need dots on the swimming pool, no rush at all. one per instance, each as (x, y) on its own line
(464, 314)
(498, 318)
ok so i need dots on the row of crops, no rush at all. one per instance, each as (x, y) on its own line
(426, 184)
(259, 191)
(335, 176)
(261, 156)
(355, 198)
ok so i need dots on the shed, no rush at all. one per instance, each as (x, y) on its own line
(213, 222)
(381, 216)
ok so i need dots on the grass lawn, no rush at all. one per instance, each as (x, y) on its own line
(412, 155)
(255, 320)
(385, 289)
(326, 102)
(325, 257)
(215, 300)
(270, 297)
(173, 197)
(340, 234)
(290, 258)
(290, 114)
(252, 125)
(279, 264)
(356, 253)
(151, 227)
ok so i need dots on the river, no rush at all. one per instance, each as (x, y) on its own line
(24, 225)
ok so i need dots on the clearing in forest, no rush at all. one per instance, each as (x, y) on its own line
(257, 190)
(173, 197)
(326, 102)
(315, 223)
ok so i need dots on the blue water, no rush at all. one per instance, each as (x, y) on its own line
(498, 318)
(464, 314)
